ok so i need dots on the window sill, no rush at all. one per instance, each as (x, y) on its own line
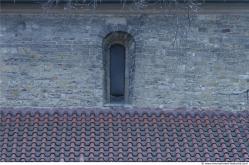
(118, 105)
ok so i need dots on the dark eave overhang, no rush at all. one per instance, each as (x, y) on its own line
(118, 1)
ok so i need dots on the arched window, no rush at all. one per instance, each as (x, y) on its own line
(119, 66)
(117, 73)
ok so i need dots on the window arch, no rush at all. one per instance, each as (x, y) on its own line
(119, 66)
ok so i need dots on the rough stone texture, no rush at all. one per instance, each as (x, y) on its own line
(55, 60)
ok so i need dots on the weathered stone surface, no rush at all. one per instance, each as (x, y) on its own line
(56, 60)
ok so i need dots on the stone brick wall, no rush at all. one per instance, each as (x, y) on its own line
(56, 60)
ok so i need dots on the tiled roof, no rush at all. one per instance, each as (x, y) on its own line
(123, 135)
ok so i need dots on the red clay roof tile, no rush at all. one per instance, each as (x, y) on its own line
(121, 135)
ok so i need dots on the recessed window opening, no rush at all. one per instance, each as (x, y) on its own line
(119, 67)
(117, 73)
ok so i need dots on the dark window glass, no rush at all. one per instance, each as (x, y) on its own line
(117, 72)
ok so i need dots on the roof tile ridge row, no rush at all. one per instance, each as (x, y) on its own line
(130, 111)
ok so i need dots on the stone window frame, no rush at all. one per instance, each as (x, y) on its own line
(127, 40)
